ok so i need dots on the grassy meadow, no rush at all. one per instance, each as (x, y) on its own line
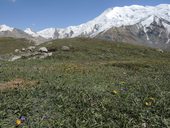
(96, 84)
(8, 44)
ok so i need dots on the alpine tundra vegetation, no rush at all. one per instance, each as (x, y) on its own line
(110, 72)
(96, 83)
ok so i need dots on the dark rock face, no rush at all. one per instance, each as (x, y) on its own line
(56, 34)
(155, 35)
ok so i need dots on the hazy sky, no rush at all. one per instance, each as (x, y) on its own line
(40, 14)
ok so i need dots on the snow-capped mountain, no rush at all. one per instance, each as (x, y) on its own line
(4, 28)
(112, 17)
(47, 33)
(6, 31)
(153, 31)
(138, 24)
(30, 32)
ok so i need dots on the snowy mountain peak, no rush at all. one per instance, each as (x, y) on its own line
(30, 32)
(155, 20)
(138, 24)
(129, 15)
(47, 33)
(150, 19)
(5, 28)
(112, 17)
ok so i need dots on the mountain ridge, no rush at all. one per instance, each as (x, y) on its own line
(111, 14)
(144, 16)
(112, 17)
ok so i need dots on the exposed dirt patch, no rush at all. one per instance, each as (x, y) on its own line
(17, 83)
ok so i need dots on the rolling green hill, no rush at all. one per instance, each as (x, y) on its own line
(8, 44)
(95, 84)
(87, 49)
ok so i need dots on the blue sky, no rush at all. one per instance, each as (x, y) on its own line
(40, 14)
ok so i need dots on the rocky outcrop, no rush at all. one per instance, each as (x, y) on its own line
(31, 48)
(13, 58)
(29, 53)
(43, 49)
(65, 48)
(156, 34)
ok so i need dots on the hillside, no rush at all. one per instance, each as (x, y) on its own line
(94, 84)
(155, 34)
(87, 49)
(8, 45)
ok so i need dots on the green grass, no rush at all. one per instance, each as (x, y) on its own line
(8, 45)
(75, 87)
(93, 49)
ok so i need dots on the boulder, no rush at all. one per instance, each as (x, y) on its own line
(14, 58)
(43, 49)
(17, 50)
(160, 50)
(50, 54)
(31, 48)
(65, 48)
(45, 55)
(23, 49)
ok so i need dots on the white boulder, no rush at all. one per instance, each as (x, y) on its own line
(50, 54)
(14, 58)
(31, 48)
(17, 50)
(160, 50)
(65, 48)
(23, 49)
(43, 49)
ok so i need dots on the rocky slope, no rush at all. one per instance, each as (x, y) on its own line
(155, 34)
(6, 31)
(112, 17)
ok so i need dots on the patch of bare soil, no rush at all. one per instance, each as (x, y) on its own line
(17, 83)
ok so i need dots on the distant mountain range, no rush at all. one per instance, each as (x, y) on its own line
(145, 25)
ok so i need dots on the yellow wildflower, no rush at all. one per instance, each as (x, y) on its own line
(150, 101)
(114, 92)
(18, 122)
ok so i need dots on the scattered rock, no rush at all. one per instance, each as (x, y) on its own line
(14, 58)
(45, 55)
(31, 48)
(50, 54)
(160, 50)
(42, 57)
(17, 50)
(43, 49)
(23, 49)
(65, 48)
(29, 53)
